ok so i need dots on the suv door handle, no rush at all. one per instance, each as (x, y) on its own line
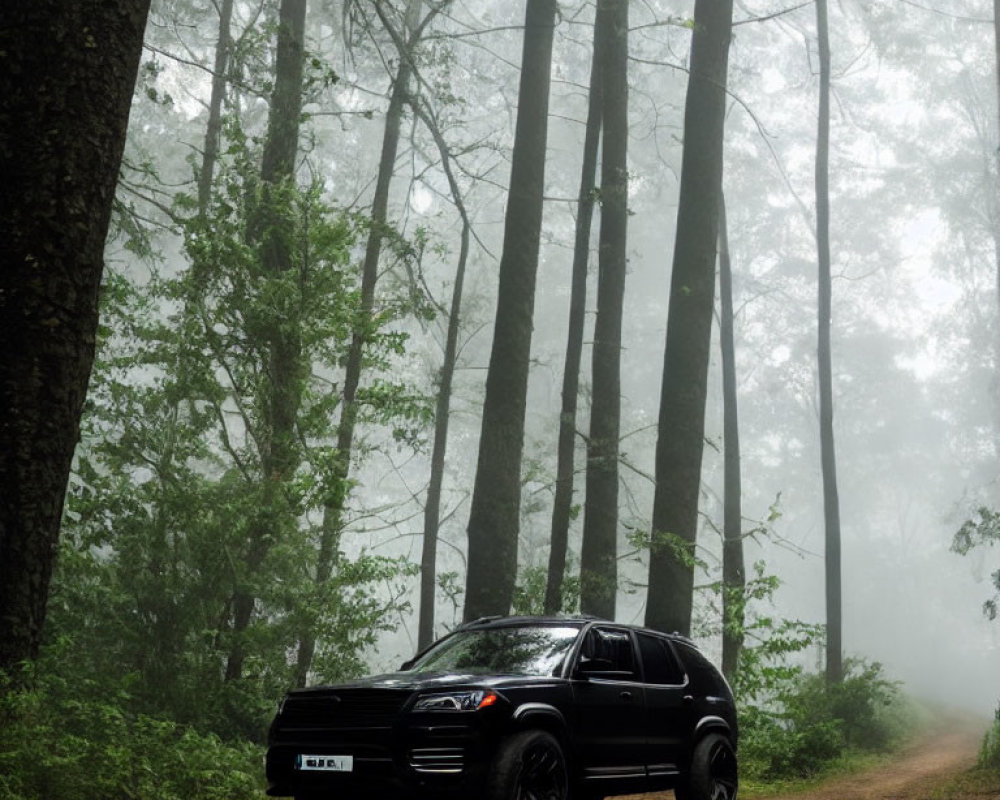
(625, 695)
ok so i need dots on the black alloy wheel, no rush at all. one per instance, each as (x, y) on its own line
(713, 773)
(529, 766)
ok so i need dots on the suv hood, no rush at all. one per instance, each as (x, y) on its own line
(430, 681)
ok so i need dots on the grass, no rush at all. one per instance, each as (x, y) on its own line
(847, 764)
(976, 784)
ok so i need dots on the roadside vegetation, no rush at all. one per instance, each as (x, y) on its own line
(809, 730)
(80, 739)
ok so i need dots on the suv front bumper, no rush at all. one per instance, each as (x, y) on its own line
(432, 757)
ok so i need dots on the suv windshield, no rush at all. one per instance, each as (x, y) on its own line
(534, 650)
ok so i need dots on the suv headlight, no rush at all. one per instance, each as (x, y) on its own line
(456, 701)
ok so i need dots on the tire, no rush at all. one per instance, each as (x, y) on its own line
(528, 766)
(713, 774)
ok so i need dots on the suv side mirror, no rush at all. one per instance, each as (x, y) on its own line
(406, 665)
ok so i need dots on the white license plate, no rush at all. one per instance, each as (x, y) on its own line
(325, 763)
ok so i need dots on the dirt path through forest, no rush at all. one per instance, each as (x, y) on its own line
(914, 774)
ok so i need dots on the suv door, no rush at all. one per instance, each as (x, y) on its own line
(669, 710)
(609, 717)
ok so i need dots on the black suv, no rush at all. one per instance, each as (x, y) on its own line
(516, 708)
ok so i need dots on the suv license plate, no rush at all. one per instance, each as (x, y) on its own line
(325, 763)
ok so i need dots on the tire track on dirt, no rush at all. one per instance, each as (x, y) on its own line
(920, 768)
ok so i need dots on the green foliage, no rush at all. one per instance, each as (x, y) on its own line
(529, 593)
(982, 530)
(204, 472)
(810, 723)
(989, 754)
(793, 724)
(65, 737)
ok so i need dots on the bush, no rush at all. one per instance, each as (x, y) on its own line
(810, 723)
(53, 744)
(989, 755)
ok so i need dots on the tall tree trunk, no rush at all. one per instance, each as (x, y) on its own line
(562, 505)
(996, 189)
(496, 497)
(271, 227)
(689, 326)
(67, 71)
(995, 224)
(213, 129)
(599, 551)
(733, 567)
(831, 502)
(432, 506)
(334, 509)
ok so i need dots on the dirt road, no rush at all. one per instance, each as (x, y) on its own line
(914, 775)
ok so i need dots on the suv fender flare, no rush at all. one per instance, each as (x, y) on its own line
(531, 711)
(712, 724)
(544, 717)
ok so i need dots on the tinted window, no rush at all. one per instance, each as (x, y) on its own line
(537, 650)
(704, 676)
(611, 645)
(659, 665)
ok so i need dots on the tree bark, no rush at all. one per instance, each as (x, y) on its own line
(689, 326)
(496, 498)
(599, 551)
(733, 566)
(272, 229)
(214, 127)
(67, 72)
(562, 504)
(831, 501)
(432, 506)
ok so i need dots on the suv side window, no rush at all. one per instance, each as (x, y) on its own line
(703, 675)
(614, 646)
(659, 664)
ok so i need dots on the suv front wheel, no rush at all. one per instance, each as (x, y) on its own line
(529, 766)
(713, 774)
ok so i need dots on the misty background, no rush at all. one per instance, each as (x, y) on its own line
(914, 235)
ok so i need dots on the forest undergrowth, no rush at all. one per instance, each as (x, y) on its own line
(74, 738)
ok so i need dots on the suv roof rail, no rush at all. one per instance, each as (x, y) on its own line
(481, 620)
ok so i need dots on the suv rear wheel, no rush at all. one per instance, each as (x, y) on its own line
(529, 766)
(713, 773)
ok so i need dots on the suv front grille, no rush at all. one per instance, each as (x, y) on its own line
(342, 709)
(438, 760)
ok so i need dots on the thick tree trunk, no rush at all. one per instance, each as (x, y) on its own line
(271, 226)
(432, 506)
(689, 326)
(496, 498)
(562, 504)
(831, 501)
(733, 567)
(599, 551)
(67, 71)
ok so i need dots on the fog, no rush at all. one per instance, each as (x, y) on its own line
(915, 227)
